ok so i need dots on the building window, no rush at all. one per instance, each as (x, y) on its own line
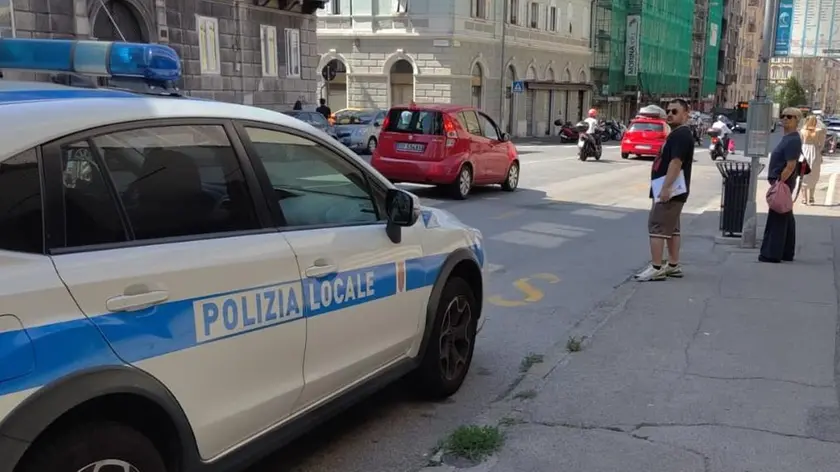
(335, 7)
(551, 19)
(7, 19)
(292, 53)
(513, 10)
(268, 39)
(570, 15)
(478, 9)
(208, 44)
(402, 6)
(534, 15)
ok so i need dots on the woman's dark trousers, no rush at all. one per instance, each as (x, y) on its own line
(779, 237)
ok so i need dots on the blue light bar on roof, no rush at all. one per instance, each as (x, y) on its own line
(153, 62)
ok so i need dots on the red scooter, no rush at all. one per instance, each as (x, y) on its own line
(568, 133)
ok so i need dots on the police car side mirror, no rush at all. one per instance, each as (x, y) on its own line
(402, 209)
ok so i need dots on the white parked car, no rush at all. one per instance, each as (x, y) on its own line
(186, 285)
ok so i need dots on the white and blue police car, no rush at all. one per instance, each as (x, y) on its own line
(186, 285)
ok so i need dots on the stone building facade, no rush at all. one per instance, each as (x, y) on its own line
(451, 52)
(818, 76)
(254, 52)
(749, 48)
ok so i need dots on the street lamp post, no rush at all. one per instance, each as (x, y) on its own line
(758, 123)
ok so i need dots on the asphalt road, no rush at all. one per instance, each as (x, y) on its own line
(557, 247)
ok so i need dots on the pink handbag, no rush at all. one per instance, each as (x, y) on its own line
(779, 198)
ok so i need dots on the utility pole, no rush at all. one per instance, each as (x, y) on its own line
(759, 123)
(502, 67)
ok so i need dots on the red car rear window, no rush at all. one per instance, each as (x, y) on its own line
(646, 126)
(403, 120)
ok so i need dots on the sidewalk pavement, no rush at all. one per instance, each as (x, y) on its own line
(731, 369)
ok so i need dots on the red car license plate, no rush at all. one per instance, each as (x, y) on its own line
(411, 147)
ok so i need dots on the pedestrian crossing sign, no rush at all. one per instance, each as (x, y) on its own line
(518, 86)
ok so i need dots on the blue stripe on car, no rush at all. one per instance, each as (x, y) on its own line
(62, 348)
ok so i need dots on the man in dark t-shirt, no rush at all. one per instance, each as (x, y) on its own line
(324, 109)
(675, 158)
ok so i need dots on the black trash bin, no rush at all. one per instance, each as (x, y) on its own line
(734, 194)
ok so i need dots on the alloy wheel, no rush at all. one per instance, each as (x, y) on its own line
(465, 181)
(455, 339)
(513, 176)
(109, 465)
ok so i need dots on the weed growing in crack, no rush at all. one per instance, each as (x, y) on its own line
(474, 442)
(575, 344)
(525, 395)
(529, 361)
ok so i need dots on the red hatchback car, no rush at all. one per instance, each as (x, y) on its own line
(644, 137)
(456, 147)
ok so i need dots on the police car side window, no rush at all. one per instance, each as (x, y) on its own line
(91, 215)
(21, 227)
(176, 181)
(313, 185)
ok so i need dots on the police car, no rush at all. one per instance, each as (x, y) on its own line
(186, 285)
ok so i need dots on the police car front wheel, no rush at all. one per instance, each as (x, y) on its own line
(97, 446)
(452, 341)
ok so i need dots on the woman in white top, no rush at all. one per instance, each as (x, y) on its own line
(813, 139)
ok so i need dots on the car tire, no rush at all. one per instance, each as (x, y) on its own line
(437, 378)
(84, 447)
(625, 155)
(460, 189)
(371, 145)
(512, 179)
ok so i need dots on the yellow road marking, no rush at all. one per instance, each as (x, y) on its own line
(506, 214)
(532, 294)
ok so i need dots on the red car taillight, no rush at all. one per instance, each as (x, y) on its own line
(450, 131)
(385, 123)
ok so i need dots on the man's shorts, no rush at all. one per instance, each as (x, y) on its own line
(664, 219)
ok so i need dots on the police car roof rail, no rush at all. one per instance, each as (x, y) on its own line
(140, 67)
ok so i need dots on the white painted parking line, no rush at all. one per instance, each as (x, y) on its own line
(604, 214)
(530, 239)
(556, 230)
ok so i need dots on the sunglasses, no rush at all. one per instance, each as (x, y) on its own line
(673, 111)
(788, 117)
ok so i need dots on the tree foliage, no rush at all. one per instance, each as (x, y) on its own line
(790, 94)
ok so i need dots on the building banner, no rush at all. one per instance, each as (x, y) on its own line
(631, 54)
(784, 20)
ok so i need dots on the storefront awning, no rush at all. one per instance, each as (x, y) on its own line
(549, 85)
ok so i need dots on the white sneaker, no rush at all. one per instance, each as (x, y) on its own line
(651, 273)
(673, 271)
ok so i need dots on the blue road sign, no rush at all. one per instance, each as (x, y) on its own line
(518, 86)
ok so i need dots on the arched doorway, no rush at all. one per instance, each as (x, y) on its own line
(581, 94)
(116, 20)
(477, 80)
(335, 90)
(402, 82)
(550, 106)
(510, 116)
(531, 104)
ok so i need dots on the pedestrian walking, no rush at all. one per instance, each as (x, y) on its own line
(670, 184)
(324, 109)
(813, 139)
(298, 106)
(779, 241)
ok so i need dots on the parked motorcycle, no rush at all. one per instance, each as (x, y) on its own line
(716, 148)
(613, 130)
(568, 133)
(587, 144)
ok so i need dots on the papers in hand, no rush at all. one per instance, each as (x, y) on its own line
(678, 188)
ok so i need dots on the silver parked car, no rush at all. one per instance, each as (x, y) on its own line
(359, 129)
(315, 119)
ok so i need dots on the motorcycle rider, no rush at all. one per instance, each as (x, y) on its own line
(721, 126)
(592, 131)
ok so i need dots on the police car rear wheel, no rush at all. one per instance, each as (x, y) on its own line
(448, 357)
(98, 446)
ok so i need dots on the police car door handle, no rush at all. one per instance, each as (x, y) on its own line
(321, 268)
(136, 302)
